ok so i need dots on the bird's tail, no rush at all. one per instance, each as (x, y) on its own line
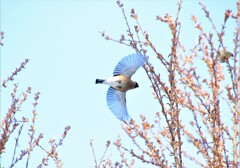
(99, 81)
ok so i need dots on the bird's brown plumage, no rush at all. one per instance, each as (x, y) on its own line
(121, 83)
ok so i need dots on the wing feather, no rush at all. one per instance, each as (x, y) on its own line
(116, 101)
(129, 65)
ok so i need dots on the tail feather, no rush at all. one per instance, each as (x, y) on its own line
(99, 81)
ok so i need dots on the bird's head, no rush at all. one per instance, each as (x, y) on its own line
(136, 85)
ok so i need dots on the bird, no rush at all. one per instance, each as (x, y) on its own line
(224, 56)
(121, 82)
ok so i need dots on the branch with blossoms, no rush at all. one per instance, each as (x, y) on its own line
(14, 73)
(208, 98)
(53, 153)
(14, 123)
(104, 161)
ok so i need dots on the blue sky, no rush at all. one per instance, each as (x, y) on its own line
(67, 54)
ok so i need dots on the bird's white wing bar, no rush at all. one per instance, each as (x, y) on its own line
(116, 101)
(129, 65)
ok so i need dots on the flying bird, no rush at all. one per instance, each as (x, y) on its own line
(121, 82)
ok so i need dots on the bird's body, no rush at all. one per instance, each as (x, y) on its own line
(120, 83)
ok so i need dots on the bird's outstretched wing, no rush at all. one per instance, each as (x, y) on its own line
(116, 101)
(129, 65)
